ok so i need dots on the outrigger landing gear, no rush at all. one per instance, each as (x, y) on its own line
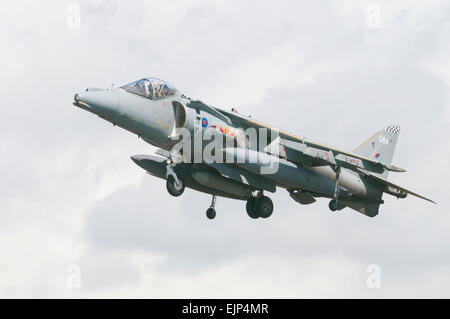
(333, 205)
(174, 185)
(259, 206)
(211, 211)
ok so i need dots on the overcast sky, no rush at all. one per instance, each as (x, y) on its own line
(332, 71)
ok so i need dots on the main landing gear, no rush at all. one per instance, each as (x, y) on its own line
(333, 205)
(259, 206)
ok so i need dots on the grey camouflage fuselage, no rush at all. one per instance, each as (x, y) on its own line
(155, 111)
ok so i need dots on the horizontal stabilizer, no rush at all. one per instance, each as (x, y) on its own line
(393, 168)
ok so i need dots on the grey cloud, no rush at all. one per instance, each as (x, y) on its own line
(359, 81)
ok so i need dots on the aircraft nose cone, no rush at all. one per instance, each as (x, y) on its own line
(101, 102)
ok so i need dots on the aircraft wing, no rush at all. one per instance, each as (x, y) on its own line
(385, 183)
(199, 105)
(311, 153)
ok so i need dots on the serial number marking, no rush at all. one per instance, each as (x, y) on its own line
(382, 139)
(235, 309)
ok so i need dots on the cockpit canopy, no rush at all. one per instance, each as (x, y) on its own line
(151, 88)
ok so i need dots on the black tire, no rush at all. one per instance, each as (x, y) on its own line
(172, 189)
(211, 213)
(264, 207)
(333, 205)
(250, 206)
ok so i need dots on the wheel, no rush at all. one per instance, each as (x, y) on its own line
(333, 205)
(211, 213)
(173, 188)
(250, 206)
(264, 207)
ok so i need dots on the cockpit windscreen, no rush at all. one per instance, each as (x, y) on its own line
(151, 88)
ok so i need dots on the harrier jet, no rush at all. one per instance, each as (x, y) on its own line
(259, 158)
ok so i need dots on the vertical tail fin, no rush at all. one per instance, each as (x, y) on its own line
(380, 146)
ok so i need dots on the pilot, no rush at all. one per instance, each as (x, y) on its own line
(165, 90)
(158, 91)
(146, 85)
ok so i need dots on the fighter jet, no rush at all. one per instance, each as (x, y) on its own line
(160, 114)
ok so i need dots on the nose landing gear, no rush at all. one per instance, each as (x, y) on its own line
(175, 186)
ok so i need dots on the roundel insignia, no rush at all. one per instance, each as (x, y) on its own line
(204, 122)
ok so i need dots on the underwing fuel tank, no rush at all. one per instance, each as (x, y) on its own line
(221, 183)
(207, 182)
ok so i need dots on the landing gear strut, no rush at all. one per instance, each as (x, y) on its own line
(211, 211)
(260, 206)
(174, 185)
(333, 205)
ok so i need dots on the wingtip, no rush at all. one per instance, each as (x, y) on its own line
(394, 168)
(429, 200)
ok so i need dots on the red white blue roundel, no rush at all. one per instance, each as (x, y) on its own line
(204, 122)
